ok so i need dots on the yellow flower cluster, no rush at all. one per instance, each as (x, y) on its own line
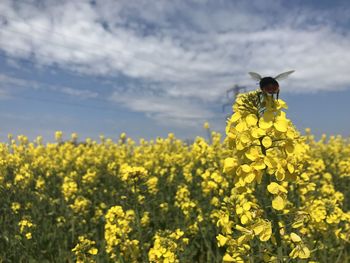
(279, 177)
(265, 141)
(132, 175)
(117, 229)
(265, 193)
(15, 206)
(183, 201)
(25, 227)
(85, 250)
(167, 245)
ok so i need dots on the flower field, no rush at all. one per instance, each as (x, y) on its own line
(263, 193)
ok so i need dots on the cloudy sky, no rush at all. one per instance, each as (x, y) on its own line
(152, 67)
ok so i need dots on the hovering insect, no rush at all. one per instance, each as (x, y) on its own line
(270, 85)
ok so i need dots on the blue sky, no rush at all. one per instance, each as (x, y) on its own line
(106, 67)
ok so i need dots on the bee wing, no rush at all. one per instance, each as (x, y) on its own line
(284, 75)
(255, 76)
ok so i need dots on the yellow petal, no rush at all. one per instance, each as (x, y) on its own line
(294, 253)
(267, 142)
(270, 161)
(240, 146)
(221, 240)
(246, 168)
(241, 126)
(278, 203)
(289, 148)
(273, 188)
(244, 219)
(228, 258)
(295, 238)
(246, 206)
(291, 134)
(245, 138)
(257, 133)
(263, 229)
(265, 124)
(259, 164)
(282, 189)
(290, 168)
(235, 117)
(280, 174)
(266, 234)
(281, 125)
(252, 154)
(249, 178)
(93, 251)
(239, 210)
(281, 104)
(298, 224)
(229, 164)
(304, 252)
(251, 120)
(298, 149)
(258, 228)
(231, 135)
(243, 229)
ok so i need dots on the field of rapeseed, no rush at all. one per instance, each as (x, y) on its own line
(264, 193)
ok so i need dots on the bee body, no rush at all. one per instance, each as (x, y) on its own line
(270, 85)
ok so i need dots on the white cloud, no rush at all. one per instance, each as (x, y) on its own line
(10, 81)
(85, 94)
(166, 111)
(11, 86)
(190, 52)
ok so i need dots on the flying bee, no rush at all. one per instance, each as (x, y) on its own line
(269, 85)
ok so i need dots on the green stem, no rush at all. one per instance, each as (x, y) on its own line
(270, 213)
(138, 225)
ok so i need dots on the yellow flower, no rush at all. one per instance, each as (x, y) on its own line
(300, 251)
(58, 135)
(15, 207)
(273, 188)
(84, 249)
(263, 229)
(230, 164)
(295, 238)
(278, 203)
(251, 120)
(93, 251)
(221, 240)
(145, 219)
(281, 124)
(267, 142)
(228, 258)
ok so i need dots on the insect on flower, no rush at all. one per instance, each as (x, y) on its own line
(270, 85)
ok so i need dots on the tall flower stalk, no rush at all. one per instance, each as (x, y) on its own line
(268, 154)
